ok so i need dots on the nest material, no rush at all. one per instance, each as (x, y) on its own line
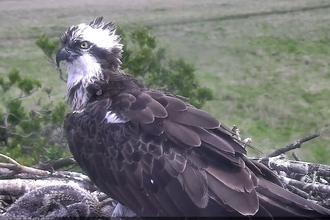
(19, 183)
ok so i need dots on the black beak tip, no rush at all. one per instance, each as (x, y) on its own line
(58, 63)
(65, 54)
(62, 54)
(58, 58)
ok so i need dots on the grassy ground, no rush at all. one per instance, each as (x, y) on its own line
(267, 61)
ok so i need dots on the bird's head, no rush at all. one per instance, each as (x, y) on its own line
(88, 49)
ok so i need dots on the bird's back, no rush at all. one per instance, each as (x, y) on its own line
(162, 157)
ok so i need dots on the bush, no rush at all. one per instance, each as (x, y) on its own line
(32, 132)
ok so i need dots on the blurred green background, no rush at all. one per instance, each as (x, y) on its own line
(266, 61)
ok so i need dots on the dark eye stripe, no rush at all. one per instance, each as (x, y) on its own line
(76, 44)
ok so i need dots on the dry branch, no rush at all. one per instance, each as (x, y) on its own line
(281, 163)
(56, 164)
(306, 187)
(16, 167)
(308, 180)
(294, 145)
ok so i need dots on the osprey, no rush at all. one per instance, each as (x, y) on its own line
(152, 151)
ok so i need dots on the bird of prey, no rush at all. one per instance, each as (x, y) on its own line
(152, 151)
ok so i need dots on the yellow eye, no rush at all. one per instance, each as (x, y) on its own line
(84, 45)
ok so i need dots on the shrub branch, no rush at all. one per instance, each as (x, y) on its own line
(293, 145)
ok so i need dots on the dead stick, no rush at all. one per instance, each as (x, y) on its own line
(293, 146)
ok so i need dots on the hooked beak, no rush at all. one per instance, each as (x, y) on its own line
(65, 54)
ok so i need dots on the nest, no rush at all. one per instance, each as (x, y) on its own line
(20, 184)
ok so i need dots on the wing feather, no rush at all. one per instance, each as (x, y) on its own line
(176, 164)
(214, 140)
(174, 104)
(154, 128)
(194, 117)
(233, 177)
(135, 175)
(157, 109)
(244, 203)
(181, 200)
(143, 116)
(170, 159)
(182, 133)
(171, 170)
(194, 181)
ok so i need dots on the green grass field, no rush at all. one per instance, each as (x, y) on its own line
(266, 61)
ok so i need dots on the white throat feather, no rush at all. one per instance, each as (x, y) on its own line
(84, 69)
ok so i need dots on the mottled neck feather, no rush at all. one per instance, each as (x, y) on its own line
(112, 84)
(91, 70)
(77, 96)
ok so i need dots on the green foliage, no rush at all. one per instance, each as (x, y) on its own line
(321, 154)
(48, 46)
(33, 135)
(150, 63)
(30, 135)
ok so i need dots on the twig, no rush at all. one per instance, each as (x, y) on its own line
(61, 74)
(280, 163)
(327, 179)
(233, 133)
(18, 187)
(297, 191)
(30, 180)
(51, 60)
(20, 135)
(15, 166)
(306, 187)
(80, 178)
(22, 96)
(56, 164)
(295, 156)
(38, 113)
(293, 146)
(9, 159)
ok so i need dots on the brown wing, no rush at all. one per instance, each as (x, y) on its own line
(171, 159)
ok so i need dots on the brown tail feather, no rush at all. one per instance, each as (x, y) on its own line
(274, 196)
